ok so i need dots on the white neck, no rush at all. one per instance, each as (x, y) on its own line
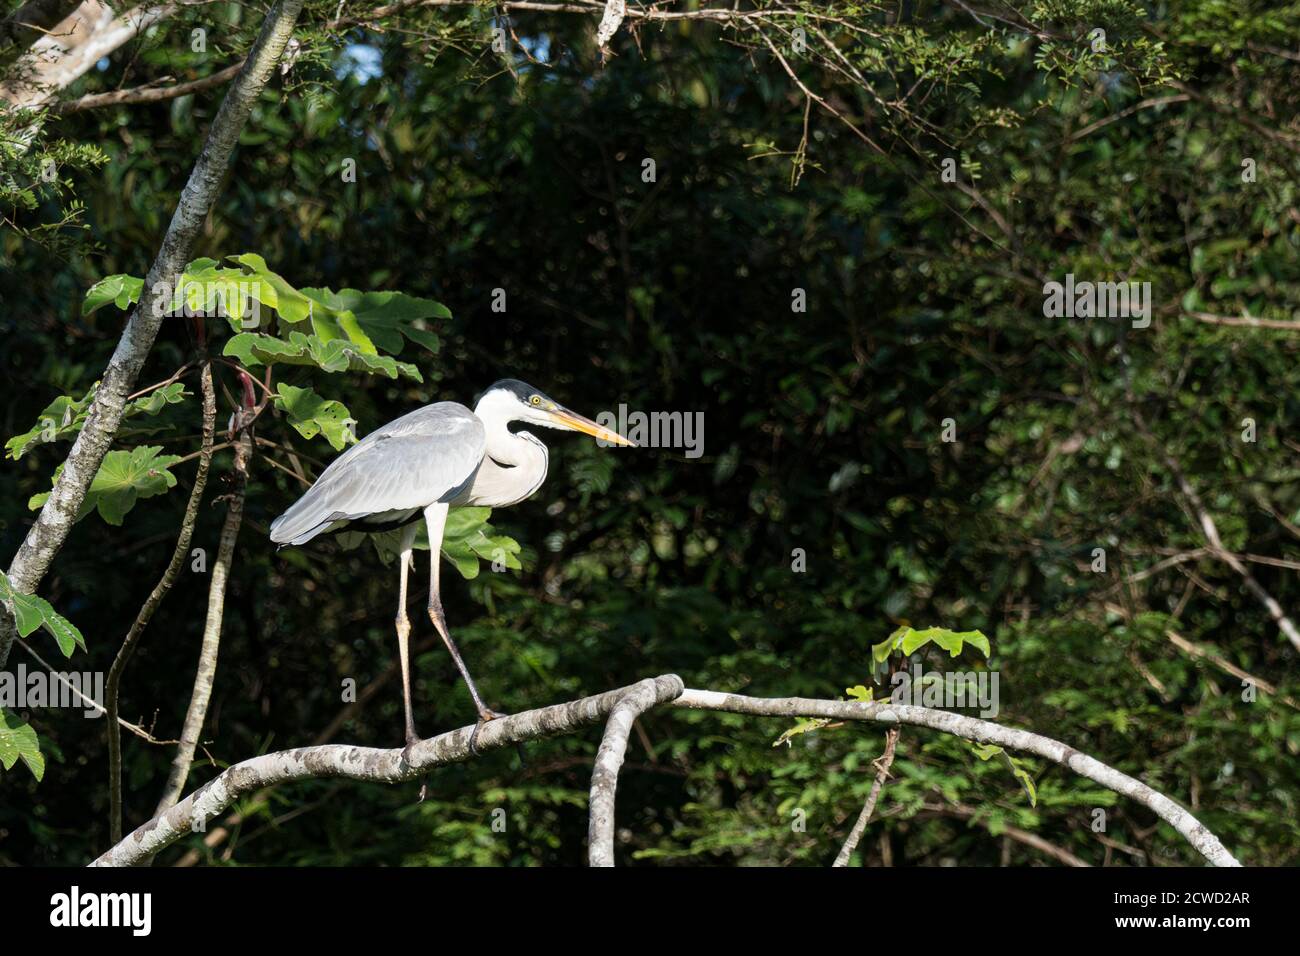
(516, 462)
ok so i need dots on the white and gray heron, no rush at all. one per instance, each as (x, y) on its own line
(435, 458)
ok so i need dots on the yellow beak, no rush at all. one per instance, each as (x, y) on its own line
(578, 423)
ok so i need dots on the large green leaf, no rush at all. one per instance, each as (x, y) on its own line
(908, 641)
(18, 739)
(313, 415)
(466, 540)
(334, 355)
(367, 323)
(121, 290)
(32, 612)
(123, 478)
(288, 302)
(64, 417)
(385, 317)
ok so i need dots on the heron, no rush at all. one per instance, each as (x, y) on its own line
(418, 467)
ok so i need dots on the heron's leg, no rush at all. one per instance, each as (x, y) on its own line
(404, 634)
(435, 517)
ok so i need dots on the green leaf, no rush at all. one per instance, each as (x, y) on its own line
(123, 478)
(18, 739)
(385, 317)
(908, 641)
(988, 751)
(366, 323)
(64, 417)
(804, 726)
(467, 539)
(333, 355)
(860, 692)
(32, 612)
(121, 290)
(291, 305)
(1026, 781)
(314, 415)
(881, 651)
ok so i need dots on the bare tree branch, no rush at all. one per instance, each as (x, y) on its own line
(860, 825)
(387, 766)
(206, 673)
(26, 25)
(149, 92)
(1219, 661)
(1249, 321)
(361, 763)
(604, 776)
(1210, 531)
(610, 20)
(59, 59)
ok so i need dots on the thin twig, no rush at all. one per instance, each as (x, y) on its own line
(882, 773)
(88, 701)
(179, 554)
(207, 668)
(149, 92)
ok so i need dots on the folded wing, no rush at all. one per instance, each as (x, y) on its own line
(429, 455)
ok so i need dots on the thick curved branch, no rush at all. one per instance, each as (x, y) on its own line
(971, 728)
(604, 776)
(387, 766)
(60, 58)
(47, 534)
(362, 763)
(29, 22)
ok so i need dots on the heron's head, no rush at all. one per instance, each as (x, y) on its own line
(511, 400)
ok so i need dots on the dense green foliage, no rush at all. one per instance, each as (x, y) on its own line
(825, 429)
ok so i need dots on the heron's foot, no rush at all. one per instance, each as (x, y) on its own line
(484, 715)
(406, 751)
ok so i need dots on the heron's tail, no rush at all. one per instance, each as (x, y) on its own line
(302, 522)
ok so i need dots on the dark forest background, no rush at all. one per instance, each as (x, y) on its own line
(823, 429)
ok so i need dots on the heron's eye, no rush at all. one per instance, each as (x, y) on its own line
(536, 400)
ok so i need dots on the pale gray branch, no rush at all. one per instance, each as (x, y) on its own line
(860, 825)
(610, 20)
(971, 728)
(180, 552)
(387, 766)
(604, 776)
(59, 59)
(206, 673)
(361, 763)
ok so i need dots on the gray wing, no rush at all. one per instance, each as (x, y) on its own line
(428, 455)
